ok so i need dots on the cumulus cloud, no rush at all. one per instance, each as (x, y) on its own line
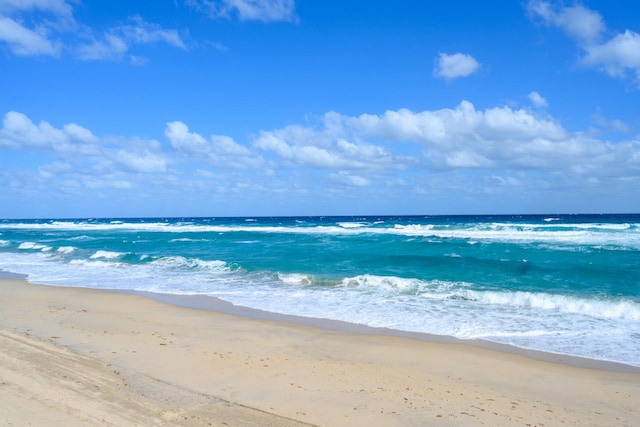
(460, 150)
(617, 56)
(449, 149)
(323, 148)
(219, 150)
(461, 125)
(451, 138)
(464, 136)
(248, 10)
(499, 138)
(456, 65)
(537, 99)
(74, 144)
(183, 140)
(139, 156)
(18, 131)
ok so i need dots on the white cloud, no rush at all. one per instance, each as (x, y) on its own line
(462, 125)
(323, 149)
(616, 56)
(46, 33)
(142, 156)
(497, 138)
(248, 10)
(47, 27)
(457, 151)
(24, 41)
(349, 179)
(111, 48)
(78, 145)
(18, 131)
(537, 99)
(30, 37)
(456, 65)
(613, 124)
(581, 24)
(141, 32)
(263, 10)
(220, 150)
(463, 137)
(182, 140)
(60, 7)
(225, 145)
(118, 41)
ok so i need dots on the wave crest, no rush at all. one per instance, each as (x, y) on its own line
(106, 255)
(34, 246)
(294, 278)
(181, 262)
(600, 308)
(462, 292)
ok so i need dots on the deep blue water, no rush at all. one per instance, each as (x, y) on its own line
(560, 283)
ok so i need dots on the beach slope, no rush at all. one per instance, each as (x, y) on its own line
(74, 356)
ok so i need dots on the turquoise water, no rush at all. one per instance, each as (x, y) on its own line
(565, 284)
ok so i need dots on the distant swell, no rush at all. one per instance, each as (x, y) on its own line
(550, 231)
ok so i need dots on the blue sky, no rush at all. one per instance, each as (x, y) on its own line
(310, 107)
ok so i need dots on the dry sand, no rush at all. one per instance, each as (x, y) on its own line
(76, 357)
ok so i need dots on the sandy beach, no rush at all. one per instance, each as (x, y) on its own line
(76, 357)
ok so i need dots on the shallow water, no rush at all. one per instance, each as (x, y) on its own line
(566, 284)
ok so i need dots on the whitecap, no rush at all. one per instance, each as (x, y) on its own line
(35, 246)
(592, 307)
(106, 255)
(192, 263)
(92, 263)
(294, 278)
(351, 224)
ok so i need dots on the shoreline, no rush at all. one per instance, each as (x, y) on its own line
(211, 303)
(201, 365)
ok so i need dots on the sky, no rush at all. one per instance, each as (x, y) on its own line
(133, 108)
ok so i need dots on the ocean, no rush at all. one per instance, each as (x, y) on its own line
(564, 284)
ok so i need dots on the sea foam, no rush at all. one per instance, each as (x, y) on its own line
(565, 285)
(106, 255)
(34, 246)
